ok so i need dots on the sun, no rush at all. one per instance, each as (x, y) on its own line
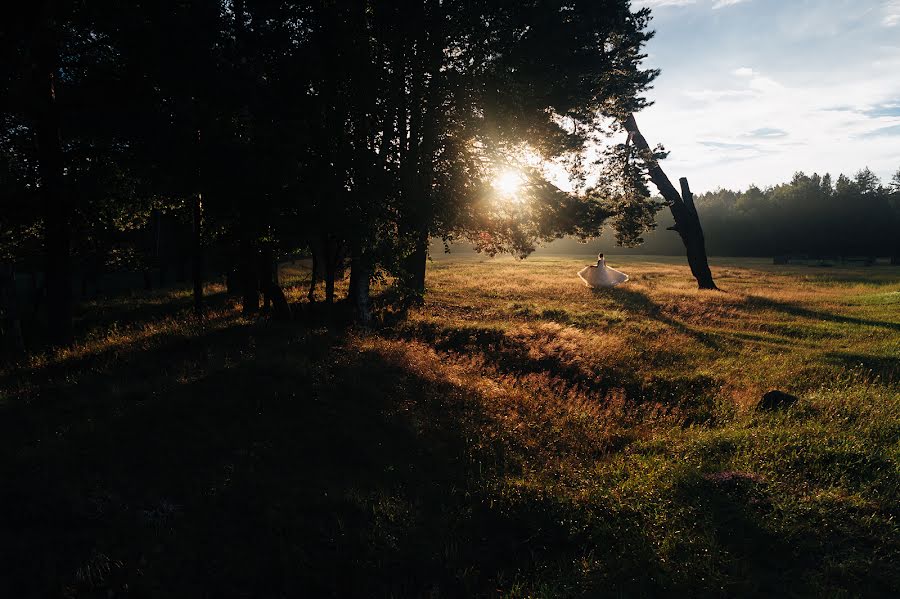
(508, 184)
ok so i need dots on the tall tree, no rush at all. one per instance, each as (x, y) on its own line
(469, 88)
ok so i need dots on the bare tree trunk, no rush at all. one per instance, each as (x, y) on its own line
(687, 221)
(56, 204)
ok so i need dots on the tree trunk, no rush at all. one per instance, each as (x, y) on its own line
(311, 295)
(687, 221)
(281, 309)
(267, 271)
(163, 268)
(328, 261)
(56, 204)
(329, 280)
(358, 294)
(13, 343)
(197, 239)
(416, 265)
(248, 278)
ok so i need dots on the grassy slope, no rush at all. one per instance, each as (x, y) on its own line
(520, 435)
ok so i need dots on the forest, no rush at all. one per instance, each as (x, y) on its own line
(350, 131)
(810, 217)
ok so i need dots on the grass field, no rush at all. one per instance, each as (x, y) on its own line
(519, 435)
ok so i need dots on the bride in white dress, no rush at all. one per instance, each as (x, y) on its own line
(601, 275)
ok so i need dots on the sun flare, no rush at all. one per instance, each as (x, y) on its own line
(508, 184)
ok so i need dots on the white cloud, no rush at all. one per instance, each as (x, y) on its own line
(752, 96)
(891, 13)
(718, 95)
(765, 130)
(658, 3)
(716, 4)
(764, 84)
(723, 3)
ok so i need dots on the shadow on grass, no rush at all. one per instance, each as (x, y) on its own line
(887, 369)
(147, 307)
(299, 466)
(755, 301)
(730, 510)
(642, 305)
(692, 397)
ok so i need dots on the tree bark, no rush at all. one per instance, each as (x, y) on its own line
(56, 204)
(687, 221)
(416, 265)
(358, 293)
(426, 115)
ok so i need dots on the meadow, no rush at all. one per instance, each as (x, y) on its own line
(518, 435)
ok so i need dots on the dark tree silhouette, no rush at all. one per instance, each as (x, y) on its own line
(687, 220)
(251, 129)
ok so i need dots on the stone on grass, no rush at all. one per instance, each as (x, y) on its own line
(776, 400)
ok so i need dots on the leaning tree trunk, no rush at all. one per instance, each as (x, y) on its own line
(687, 221)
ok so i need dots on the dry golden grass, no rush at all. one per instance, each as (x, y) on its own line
(770, 327)
(621, 398)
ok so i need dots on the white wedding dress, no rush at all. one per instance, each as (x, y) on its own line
(601, 275)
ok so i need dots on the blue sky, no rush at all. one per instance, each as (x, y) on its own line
(753, 90)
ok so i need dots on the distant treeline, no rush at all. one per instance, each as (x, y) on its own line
(809, 216)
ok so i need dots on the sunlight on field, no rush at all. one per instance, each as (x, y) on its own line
(770, 327)
(519, 434)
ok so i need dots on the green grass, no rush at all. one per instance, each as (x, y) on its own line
(519, 436)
